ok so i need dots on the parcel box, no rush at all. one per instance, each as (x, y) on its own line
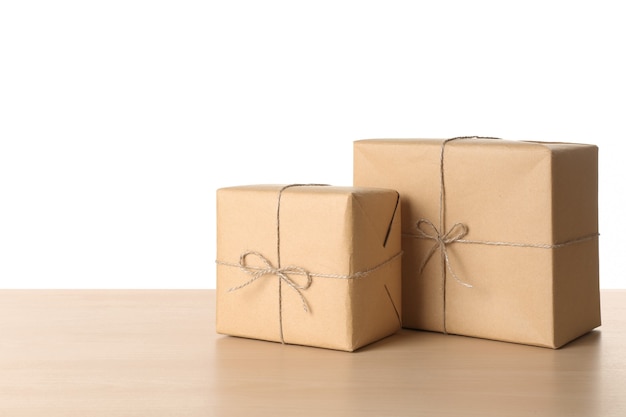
(500, 237)
(308, 265)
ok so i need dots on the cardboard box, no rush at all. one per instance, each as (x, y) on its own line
(516, 258)
(309, 265)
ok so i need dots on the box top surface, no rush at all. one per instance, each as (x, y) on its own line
(518, 145)
(309, 189)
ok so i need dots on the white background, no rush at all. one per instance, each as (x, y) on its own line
(119, 119)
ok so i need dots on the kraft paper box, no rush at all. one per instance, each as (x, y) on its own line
(500, 238)
(309, 265)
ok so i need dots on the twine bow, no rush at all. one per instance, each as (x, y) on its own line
(282, 273)
(427, 230)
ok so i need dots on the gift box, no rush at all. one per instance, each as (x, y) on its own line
(309, 264)
(500, 238)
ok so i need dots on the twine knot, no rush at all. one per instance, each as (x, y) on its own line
(282, 273)
(427, 230)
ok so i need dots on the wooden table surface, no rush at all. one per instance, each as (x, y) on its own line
(155, 353)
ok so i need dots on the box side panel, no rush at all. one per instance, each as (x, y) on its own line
(376, 297)
(576, 265)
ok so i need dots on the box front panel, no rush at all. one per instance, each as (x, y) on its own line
(501, 192)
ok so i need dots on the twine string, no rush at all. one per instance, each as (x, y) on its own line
(301, 271)
(280, 281)
(443, 238)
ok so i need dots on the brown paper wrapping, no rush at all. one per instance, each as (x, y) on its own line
(503, 192)
(335, 233)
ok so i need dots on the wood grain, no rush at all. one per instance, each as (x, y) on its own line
(155, 353)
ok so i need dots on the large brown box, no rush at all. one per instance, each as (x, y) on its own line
(520, 226)
(346, 239)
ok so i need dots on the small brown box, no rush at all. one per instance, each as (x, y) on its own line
(347, 240)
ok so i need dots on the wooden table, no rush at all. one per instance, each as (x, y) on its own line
(155, 353)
